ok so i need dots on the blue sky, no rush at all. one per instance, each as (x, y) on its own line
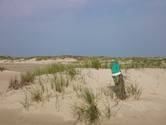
(83, 27)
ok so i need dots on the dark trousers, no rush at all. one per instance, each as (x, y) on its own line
(119, 87)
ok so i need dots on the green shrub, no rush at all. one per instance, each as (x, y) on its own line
(95, 63)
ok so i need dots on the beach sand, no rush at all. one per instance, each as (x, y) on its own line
(150, 109)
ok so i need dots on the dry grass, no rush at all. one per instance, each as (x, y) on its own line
(36, 93)
(88, 111)
(2, 68)
(110, 101)
(14, 84)
(59, 83)
(26, 102)
(133, 90)
(27, 78)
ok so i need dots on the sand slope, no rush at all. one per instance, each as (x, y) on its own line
(150, 109)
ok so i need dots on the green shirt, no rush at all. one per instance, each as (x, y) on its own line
(115, 67)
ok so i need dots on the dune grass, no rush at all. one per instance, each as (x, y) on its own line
(14, 83)
(59, 83)
(50, 69)
(88, 111)
(57, 68)
(144, 63)
(26, 102)
(133, 90)
(36, 93)
(27, 78)
(92, 63)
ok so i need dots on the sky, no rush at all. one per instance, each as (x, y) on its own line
(83, 27)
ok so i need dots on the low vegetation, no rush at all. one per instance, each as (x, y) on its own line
(143, 63)
(87, 111)
(36, 93)
(40, 58)
(14, 83)
(2, 68)
(5, 57)
(59, 83)
(72, 72)
(39, 92)
(26, 102)
(27, 78)
(57, 68)
(133, 90)
(95, 63)
(92, 63)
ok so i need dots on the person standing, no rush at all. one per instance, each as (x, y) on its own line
(118, 80)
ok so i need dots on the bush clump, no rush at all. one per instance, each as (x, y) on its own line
(95, 63)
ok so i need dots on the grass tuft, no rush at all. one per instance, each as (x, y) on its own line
(72, 72)
(26, 102)
(27, 79)
(14, 84)
(88, 111)
(133, 90)
(36, 93)
(59, 83)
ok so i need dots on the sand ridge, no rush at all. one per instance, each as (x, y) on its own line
(150, 109)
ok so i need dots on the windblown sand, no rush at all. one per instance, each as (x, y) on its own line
(150, 109)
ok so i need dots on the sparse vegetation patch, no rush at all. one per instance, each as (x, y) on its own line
(87, 111)
(27, 79)
(133, 90)
(14, 83)
(2, 68)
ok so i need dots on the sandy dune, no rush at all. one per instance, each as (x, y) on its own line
(21, 65)
(150, 109)
(35, 61)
